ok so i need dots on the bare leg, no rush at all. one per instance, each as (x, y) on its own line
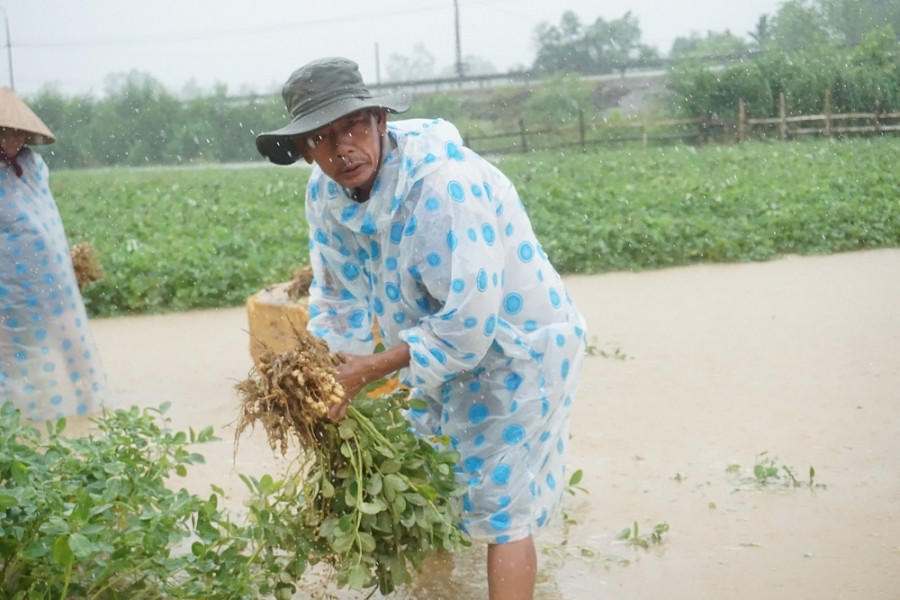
(511, 570)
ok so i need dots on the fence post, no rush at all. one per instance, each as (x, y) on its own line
(581, 130)
(877, 117)
(644, 129)
(783, 116)
(522, 133)
(742, 115)
(828, 113)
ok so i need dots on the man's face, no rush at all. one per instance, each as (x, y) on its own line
(348, 150)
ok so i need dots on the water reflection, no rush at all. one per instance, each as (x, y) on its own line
(462, 576)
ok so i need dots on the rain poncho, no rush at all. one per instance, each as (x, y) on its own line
(444, 258)
(49, 364)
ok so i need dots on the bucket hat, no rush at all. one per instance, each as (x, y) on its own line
(317, 94)
(15, 114)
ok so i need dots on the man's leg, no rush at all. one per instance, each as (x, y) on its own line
(511, 570)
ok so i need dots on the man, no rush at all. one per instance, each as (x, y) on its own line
(410, 229)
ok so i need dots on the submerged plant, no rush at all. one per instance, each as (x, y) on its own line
(767, 473)
(632, 535)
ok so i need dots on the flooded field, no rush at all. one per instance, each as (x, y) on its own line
(698, 377)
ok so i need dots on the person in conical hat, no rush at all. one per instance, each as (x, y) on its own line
(49, 362)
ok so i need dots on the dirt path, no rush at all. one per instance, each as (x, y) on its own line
(696, 369)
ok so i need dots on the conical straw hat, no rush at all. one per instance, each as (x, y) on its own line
(15, 114)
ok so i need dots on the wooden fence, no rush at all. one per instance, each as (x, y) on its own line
(825, 124)
(643, 132)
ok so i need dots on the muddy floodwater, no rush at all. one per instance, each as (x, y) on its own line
(697, 375)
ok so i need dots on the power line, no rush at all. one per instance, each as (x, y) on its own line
(228, 33)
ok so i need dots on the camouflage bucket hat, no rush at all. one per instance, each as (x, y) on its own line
(317, 94)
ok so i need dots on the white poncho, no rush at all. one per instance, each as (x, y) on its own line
(49, 364)
(444, 257)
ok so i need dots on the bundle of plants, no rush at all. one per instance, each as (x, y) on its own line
(368, 497)
(84, 261)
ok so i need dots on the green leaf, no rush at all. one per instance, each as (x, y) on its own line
(266, 485)
(343, 542)
(80, 545)
(346, 429)
(371, 508)
(374, 484)
(20, 473)
(55, 526)
(366, 542)
(345, 522)
(62, 554)
(576, 477)
(426, 491)
(346, 451)
(396, 482)
(37, 549)
(418, 404)
(399, 504)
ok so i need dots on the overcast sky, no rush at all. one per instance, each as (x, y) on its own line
(252, 46)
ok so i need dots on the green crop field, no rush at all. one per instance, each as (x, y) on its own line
(177, 239)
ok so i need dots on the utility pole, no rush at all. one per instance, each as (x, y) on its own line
(8, 49)
(377, 65)
(459, 62)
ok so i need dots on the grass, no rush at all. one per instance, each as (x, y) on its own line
(181, 239)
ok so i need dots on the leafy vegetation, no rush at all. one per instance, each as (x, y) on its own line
(101, 516)
(860, 79)
(676, 206)
(93, 517)
(179, 239)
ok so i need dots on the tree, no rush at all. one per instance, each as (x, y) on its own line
(799, 26)
(851, 20)
(762, 33)
(559, 100)
(602, 47)
(71, 121)
(134, 122)
(411, 68)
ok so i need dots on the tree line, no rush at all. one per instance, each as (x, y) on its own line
(847, 48)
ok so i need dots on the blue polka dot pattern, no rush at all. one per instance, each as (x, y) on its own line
(501, 473)
(500, 521)
(478, 414)
(51, 368)
(513, 434)
(444, 256)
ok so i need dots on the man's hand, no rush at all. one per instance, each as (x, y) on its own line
(357, 370)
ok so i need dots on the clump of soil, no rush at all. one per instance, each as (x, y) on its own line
(87, 268)
(299, 284)
(290, 393)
